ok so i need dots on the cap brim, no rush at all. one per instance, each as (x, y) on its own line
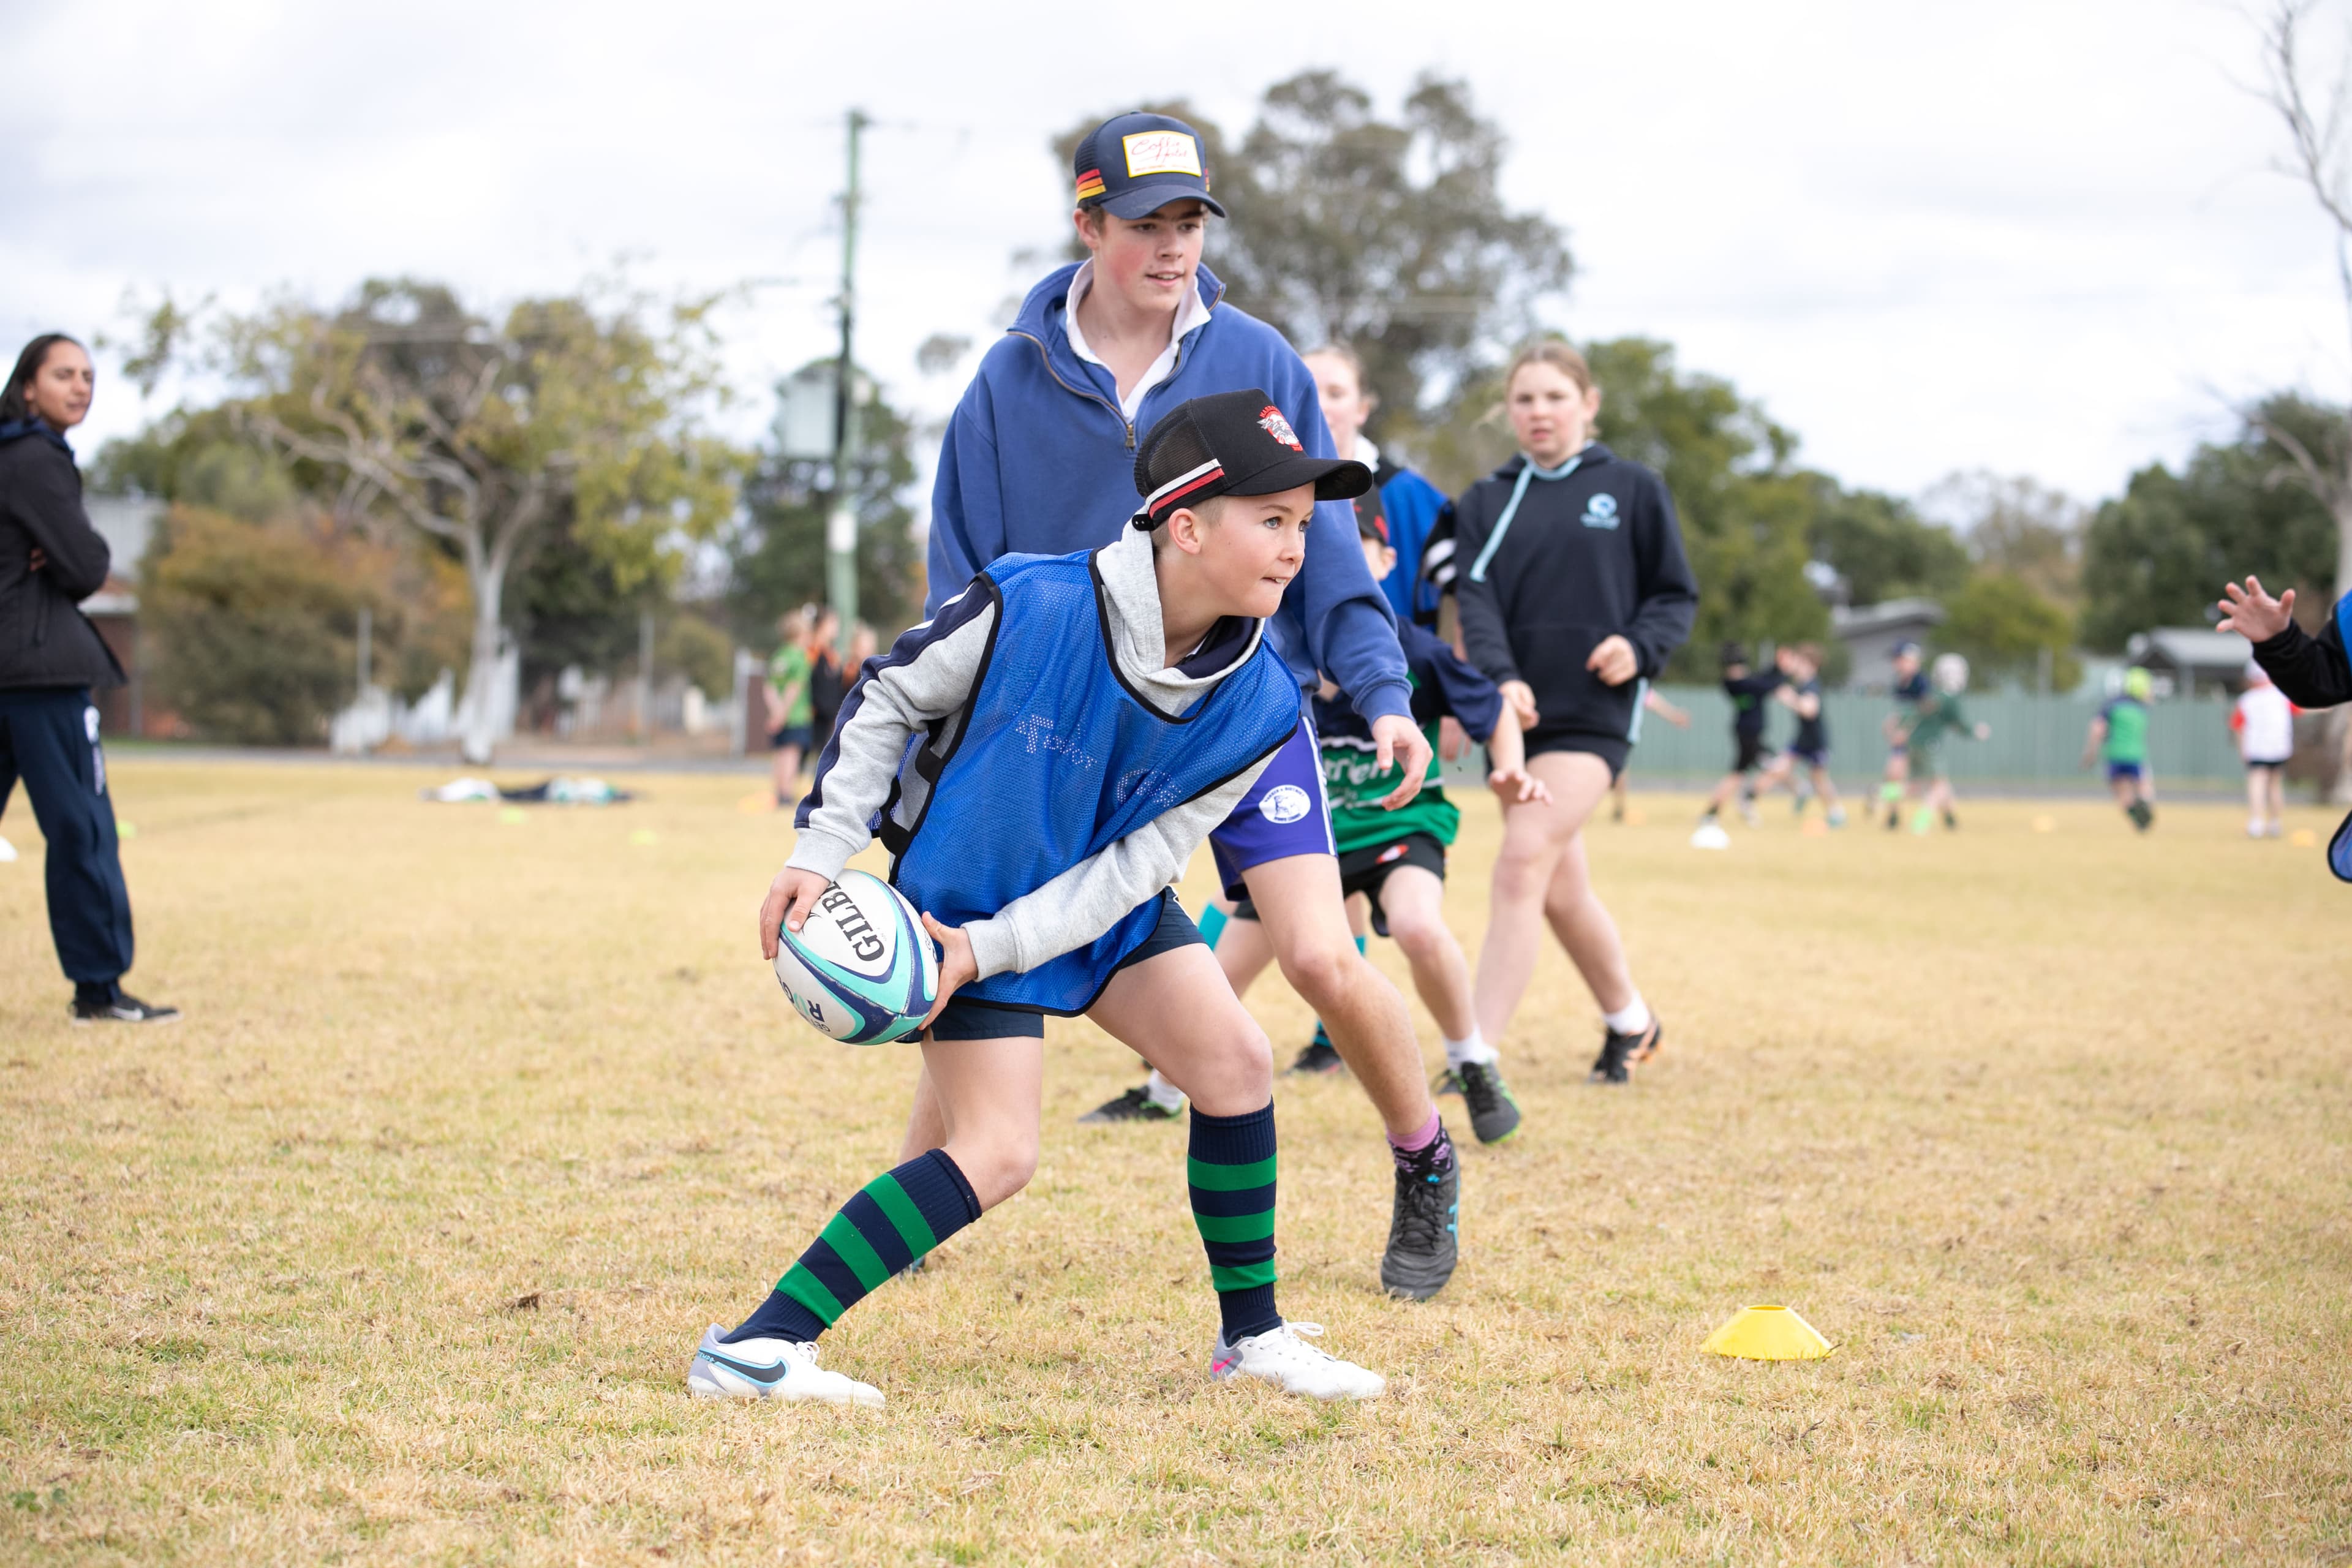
(1334, 478)
(1146, 199)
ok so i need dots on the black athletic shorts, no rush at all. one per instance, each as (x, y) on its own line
(987, 1021)
(1609, 749)
(1366, 870)
(1753, 754)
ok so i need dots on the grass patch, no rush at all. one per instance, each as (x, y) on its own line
(395, 1249)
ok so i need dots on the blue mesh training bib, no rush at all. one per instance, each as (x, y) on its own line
(1052, 760)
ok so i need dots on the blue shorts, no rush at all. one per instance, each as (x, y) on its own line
(2122, 771)
(1284, 814)
(1811, 758)
(987, 1021)
(801, 735)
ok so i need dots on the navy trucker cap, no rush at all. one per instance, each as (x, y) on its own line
(1138, 164)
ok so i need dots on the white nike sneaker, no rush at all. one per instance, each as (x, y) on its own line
(769, 1369)
(1281, 1357)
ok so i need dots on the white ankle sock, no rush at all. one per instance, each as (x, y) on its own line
(1631, 1018)
(1162, 1093)
(1474, 1050)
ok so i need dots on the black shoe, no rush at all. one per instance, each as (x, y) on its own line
(1320, 1056)
(2142, 814)
(1621, 1052)
(1894, 821)
(1135, 1105)
(1951, 823)
(1447, 1082)
(124, 1008)
(1494, 1111)
(1422, 1241)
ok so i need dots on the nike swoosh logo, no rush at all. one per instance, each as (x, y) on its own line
(774, 1374)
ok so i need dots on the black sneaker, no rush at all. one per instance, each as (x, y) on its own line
(124, 1008)
(1320, 1056)
(1135, 1105)
(1447, 1082)
(1423, 1244)
(1620, 1053)
(1494, 1111)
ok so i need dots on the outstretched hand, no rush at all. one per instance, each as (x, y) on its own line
(958, 968)
(1398, 739)
(790, 897)
(1516, 787)
(2252, 614)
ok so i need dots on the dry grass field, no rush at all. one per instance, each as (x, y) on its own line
(394, 1250)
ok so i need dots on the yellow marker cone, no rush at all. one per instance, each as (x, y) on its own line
(1768, 1334)
(2303, 839)
(2045, 825)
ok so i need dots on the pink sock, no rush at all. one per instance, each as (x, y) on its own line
(1419, 1139)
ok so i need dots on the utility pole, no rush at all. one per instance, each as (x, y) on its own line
(841, 520)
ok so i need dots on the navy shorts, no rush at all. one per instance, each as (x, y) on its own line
(2122, 771)
(987, 1021)
(1611, 749)
(801, 735)
(1283, 814)
(1811, 758)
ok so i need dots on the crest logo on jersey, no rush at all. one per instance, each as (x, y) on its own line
(1601, 512)
(1286, 803)
(1162, 153)
(1270, 421)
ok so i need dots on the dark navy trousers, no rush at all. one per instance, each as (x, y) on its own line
(49, 738)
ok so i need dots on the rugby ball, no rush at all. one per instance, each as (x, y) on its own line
(861, 968)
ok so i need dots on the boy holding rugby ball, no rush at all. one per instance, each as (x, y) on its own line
(1077, 724)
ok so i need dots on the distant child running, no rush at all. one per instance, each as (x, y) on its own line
(1939, 715)
(2313, 671)
(1042, 871)
(1748, 691)
(1576, 594)
(1801, 693)
(1396, 859)
(1909, 690)
(2263, 722)
(2118, 737)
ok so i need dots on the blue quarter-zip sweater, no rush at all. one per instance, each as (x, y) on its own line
(1039, 460)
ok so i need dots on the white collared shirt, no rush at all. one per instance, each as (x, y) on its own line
(1189, 315)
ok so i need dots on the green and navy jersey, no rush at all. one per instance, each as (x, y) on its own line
(2126, 721)
(1939, 715)
(1443, 686)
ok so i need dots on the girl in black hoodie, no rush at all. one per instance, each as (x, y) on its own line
(1573, 590)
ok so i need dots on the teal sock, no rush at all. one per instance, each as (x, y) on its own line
(1212, 925)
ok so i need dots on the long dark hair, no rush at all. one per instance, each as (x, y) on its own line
(28, 366)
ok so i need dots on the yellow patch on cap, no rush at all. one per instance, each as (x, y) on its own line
(1162, 153)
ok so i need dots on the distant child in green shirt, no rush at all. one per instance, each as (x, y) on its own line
(1937, 715)
(792, 715)
(2118, 737)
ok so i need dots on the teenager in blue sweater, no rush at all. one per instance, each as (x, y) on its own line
(1040, 459)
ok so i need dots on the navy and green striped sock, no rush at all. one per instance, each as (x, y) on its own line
(1231, 1171)
(890, 1222)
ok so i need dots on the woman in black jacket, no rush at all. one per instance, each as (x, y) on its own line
(50, 658)
(1575, 592)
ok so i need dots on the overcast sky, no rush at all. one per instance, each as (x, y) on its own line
(2041, 237)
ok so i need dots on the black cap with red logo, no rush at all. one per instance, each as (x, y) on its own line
(1232, 443)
